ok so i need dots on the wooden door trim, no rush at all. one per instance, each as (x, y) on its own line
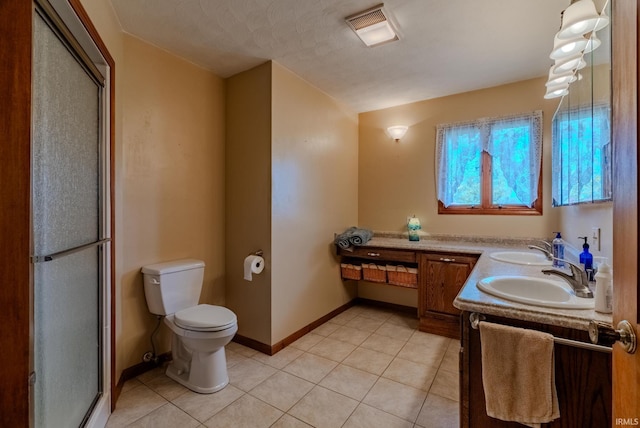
(16, 21)
(625, 66)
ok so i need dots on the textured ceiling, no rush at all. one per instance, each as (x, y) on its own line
(446, 46)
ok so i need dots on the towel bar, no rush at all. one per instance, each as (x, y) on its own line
(475, 319)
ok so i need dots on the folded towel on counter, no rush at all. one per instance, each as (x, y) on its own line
(342, 240)
(360, 236)
(518, 374)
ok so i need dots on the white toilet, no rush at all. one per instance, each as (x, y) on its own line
(200, 332)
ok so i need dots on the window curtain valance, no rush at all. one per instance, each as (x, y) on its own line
(511, 140)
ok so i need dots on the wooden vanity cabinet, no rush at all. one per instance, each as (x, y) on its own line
(583, 380)
(442, 276)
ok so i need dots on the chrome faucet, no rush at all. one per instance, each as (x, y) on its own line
(546, 250)
(546, 244)
(578, 279)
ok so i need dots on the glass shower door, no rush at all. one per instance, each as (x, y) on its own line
(67, 232)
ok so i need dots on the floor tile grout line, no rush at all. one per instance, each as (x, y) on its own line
(152, 410)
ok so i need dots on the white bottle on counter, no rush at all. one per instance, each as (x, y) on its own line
(604, 288)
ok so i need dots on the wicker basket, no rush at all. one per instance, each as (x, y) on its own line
(374, 273)
(349, 271)
(402, 276)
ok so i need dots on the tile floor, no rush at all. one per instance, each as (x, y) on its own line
(367, 367)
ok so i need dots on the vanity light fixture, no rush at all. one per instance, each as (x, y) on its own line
(373, 26)
(569, 64)
(577, 36)
(557, 91)
(560, 79)
(397, 132)
(592, 43)
(564, 48)
(581, 18)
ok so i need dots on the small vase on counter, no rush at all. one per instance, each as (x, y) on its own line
(414, 226)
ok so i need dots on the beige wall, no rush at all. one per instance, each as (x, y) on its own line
(398, 179)
(169, 181)
(291, 183)
(579, 220)
(173, 181)
(248, 198)
(314, 159)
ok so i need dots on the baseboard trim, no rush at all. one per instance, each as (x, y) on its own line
(137, 370)
(279, 346)
(252, 343)
(311, 326)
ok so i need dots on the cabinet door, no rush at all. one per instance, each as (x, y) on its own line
(443, 275)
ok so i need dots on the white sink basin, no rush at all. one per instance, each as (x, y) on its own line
(534, 291)
(521, 258)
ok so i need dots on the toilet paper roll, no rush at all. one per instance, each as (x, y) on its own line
(252, 264)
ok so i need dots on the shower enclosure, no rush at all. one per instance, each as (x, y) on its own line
(70, 226)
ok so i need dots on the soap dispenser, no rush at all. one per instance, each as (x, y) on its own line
(586, 259)
(558, 250)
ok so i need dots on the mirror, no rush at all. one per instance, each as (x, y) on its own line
(581, 141)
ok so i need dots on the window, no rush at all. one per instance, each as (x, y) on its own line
(490, 166)
(581, 155)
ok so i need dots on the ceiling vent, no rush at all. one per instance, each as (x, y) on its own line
(373, 26)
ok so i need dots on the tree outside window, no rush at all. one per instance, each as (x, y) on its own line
(490, 166)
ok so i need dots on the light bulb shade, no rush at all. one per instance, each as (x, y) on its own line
(569, 64)
(397, 132)
(592, 43)
(560, 79)
(557, 91)
(580, 18)
(564, 48)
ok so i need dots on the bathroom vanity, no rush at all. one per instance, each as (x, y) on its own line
(582, 372)
(447, 273)
(440, 274)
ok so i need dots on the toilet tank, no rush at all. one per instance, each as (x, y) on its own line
(172, 286)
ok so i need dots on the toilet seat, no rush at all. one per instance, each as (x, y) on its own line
(205, 318)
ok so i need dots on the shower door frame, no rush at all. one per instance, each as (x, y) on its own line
(16, 269)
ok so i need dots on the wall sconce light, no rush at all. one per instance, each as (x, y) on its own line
(397, 132)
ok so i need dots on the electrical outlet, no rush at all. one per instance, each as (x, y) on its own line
(595, 237)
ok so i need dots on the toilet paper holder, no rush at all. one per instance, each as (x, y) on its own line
(257, 253)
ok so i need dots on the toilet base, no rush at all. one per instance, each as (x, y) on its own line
(182, 379)
(205, 373)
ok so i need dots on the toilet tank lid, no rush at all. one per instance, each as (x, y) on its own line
(172, 266)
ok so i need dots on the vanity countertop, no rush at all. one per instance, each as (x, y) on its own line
(471, 299)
